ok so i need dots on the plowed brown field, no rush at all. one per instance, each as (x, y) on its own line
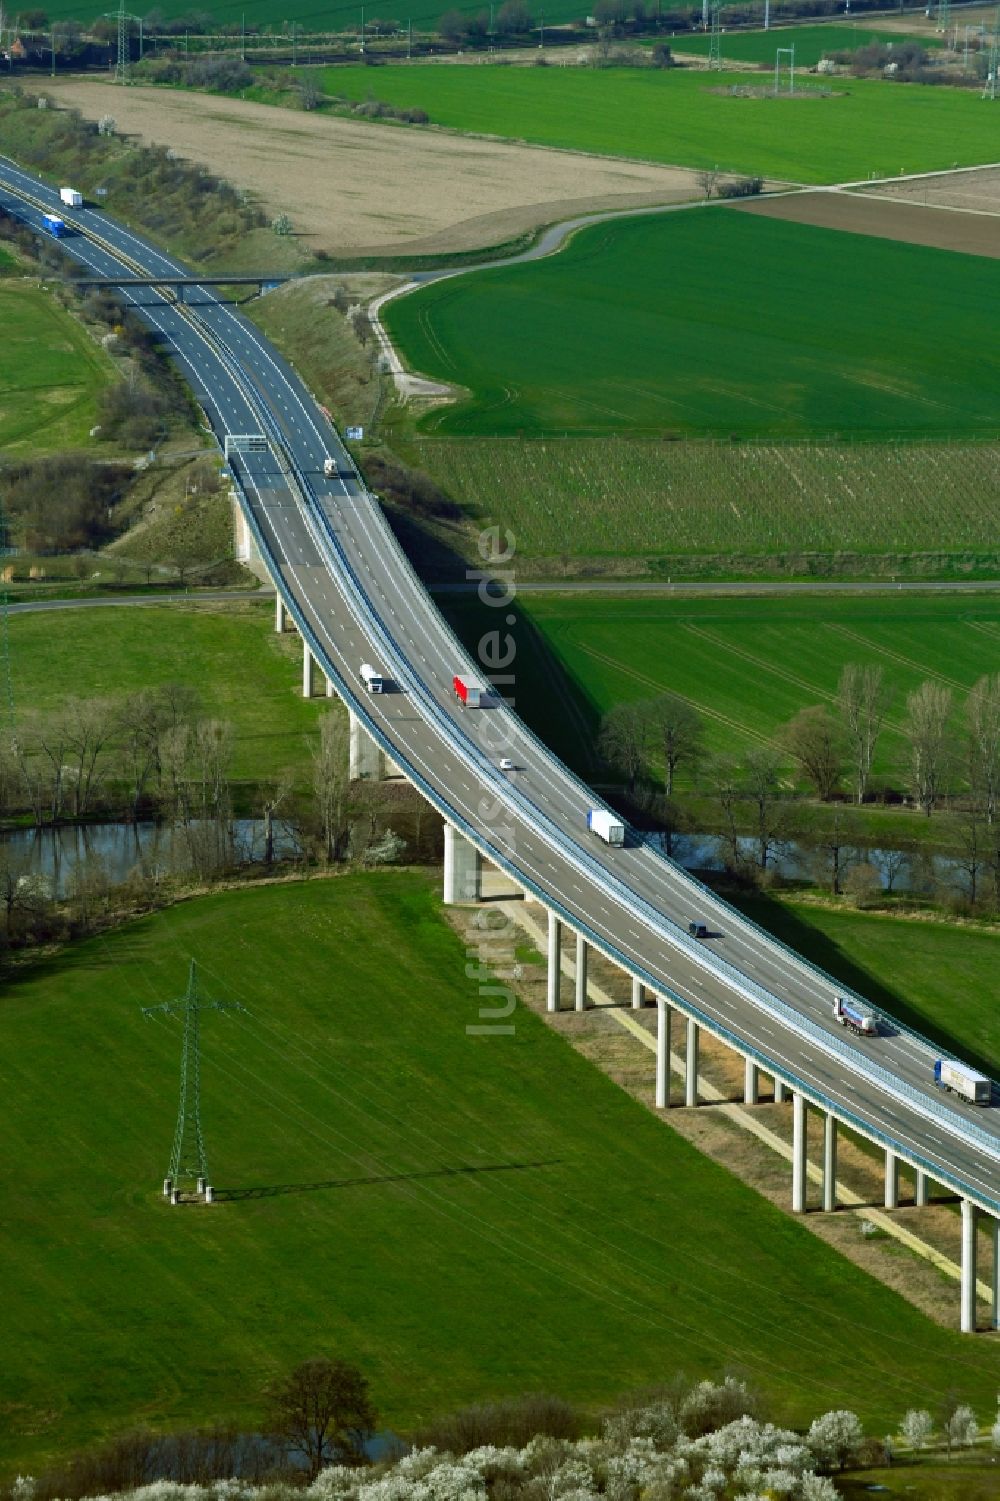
(353, 187)
(888, 219)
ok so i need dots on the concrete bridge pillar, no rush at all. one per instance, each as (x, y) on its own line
(308, 670)
(367, 760)
(554, 949)
(891, 1180)
(463, 867)
(751, 1082)
(331, 691)
(279, 613)
(799, 1137)
(920, 1186)
(663, 1018)
(581, 972)
(780, 1090)
(691, 1065)
(636, 995)
(995, 1278)
(969, 1217)
(829, 1163)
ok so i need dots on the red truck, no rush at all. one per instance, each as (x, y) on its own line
(470, 695)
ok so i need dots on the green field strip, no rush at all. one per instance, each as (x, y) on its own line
(810, 42)
(632, 674)
(868, 644)
(597, 338)
(457, 1241)
(688, 118)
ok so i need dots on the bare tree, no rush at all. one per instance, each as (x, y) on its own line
(973, 853)
(761, 770)
(836, 838)
(331, 783)
(675, 726)
(724, 782)
(982, 721)
(927, 730)
(88, 726)
(622, 741)
(708, 181)
(816, 741)
(863, 701)
(274, 794)
(142, 720)
(323, 1412)
(23, 895)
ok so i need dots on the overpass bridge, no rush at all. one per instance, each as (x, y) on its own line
(352, 595)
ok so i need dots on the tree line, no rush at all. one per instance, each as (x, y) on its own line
(950, 747)
(948, 756)
(157, 755)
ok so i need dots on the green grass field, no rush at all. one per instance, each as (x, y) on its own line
(748, 665)
(685, 506)
(810, 43)
(50, 373)
(688, 118)
(462, 1216)
(243, 672)
(711, 322)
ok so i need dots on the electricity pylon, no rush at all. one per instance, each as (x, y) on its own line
(187, 1160)
(123, 18)
(715, 42)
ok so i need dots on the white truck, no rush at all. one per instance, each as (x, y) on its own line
(71, 198)
(373, 680)
(958, 1078)
(606, 826)
(849, 1014)
(329, 466)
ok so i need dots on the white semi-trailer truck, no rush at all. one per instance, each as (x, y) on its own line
(959, 1079)
(606, 826)
(71, 197)
(850, 1014)
(373, 680)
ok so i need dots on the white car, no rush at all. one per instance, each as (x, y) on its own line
(506, 764)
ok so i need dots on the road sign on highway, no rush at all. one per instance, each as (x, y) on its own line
(354, 434)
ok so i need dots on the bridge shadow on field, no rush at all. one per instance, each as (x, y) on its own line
(822, 950)
(278, 1190)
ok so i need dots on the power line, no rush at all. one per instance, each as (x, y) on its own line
(188, 1161)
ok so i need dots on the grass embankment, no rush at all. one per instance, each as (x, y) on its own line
(461, 1216)
(176, 203)
(810, 43)
(747, 665)
(243, 671)
(50, 372)
(761, 327)
(689, 119)
(696, 510)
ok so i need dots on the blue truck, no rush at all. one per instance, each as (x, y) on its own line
(54, 225)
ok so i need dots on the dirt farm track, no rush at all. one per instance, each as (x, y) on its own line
(363, 187)
(898, 214)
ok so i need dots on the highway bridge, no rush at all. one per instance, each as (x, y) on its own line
(354, 598)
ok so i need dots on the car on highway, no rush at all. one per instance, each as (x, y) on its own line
(698, 929)
(506, 764)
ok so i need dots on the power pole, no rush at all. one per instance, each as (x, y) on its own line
(123, 18)
(715, 44)
(188, 1162)
(53, 34)
(990, 91)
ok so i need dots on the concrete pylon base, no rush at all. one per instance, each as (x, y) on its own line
(463, 868)
(367, 760)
